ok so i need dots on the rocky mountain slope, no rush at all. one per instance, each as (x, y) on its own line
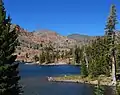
(31, 43)
(81, 38)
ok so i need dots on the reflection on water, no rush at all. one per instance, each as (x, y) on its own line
(35, 82)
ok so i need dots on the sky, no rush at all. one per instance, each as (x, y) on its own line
(63, 16)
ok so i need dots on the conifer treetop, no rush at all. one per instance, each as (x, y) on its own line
(2, 12)
(112, 21)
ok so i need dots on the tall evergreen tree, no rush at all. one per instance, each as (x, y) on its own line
(36, 58)
(84, 70)
(42, 57)
(9, 78)
(110, 34)
(76, 54)
(57, 55)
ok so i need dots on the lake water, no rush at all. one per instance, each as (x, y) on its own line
(34, 79)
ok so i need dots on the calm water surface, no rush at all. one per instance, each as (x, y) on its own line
(33, 78)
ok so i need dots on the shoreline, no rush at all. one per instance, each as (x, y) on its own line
(49, 64)
(59, 63)
(64, 79)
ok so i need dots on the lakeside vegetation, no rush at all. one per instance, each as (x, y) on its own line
(88, 80)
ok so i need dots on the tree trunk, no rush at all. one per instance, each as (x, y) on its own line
(113, 61)
(86, 60)
(113, 68)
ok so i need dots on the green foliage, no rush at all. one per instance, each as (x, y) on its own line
(57, 55)
(66, 54)
(77, 54)
(47, 55)
(9, 77)
(100, 58)
(97, 58)
(118, 89)
(99, 90)
(52, 57)
(111, 40)
(84, 71)
(118, 57)
(111, 22)
(62, 54)
(42, 57)
(36, 58)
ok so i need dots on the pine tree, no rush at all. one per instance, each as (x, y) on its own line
(97, 58)
(84, 70)
(99, 89)
(110, 33)
(76, 54)
(42, 57)
(36, 58)
(47, 55)
(57, 55)
(9, 78)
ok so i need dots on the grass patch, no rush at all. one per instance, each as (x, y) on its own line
(91, 80)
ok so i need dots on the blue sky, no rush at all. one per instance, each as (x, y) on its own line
(63, 16)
